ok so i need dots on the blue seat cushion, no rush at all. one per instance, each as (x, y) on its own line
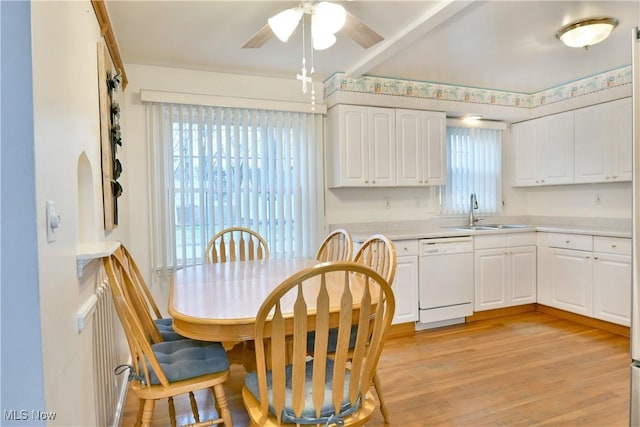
(165, 321)
(186, 358)
(308, 413)
(333, 339)
(165, 328)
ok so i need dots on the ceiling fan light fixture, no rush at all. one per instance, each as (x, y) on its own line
(586, 32)
(329, 16)
(284, 23)
(323, 41)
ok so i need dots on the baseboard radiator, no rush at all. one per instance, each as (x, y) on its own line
(109, 351)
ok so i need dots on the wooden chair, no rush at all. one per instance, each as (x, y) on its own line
(337, 246)
(163, 370)
(379, 253)
(236, 244)
(158, 328)
(328, 389)
(139, 295)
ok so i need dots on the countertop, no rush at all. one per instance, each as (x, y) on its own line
(438, 228)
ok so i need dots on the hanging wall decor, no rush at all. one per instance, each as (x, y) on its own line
(109, 83)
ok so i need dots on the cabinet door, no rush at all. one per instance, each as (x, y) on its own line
(555, 139)
(522, 275)
(408, 147)
(420, 147)
(526, 153)
(603, 142)
(621, 138)
(592, 143)
(490, 279)
(405, 289)
(434, 152)
(350, 160)
(571, 280)
(382, 148)
(612, 288)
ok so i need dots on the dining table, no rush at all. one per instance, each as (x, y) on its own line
(220, 301)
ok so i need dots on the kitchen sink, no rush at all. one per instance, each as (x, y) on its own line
(505, 226)
(474, 227)
(492, 227)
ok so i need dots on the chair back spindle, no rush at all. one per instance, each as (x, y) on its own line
(236, 244)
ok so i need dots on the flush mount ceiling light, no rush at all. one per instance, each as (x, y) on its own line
(586, 32)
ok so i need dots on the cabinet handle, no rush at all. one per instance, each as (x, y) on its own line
(567, 241)
(613, 245)
(373, 182)
(595, 257)
(542, 180)
(606, 177)
(615, 176)
(366, 182)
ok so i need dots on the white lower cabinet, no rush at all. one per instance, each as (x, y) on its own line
(587, 275)
(405, 284)
(571, 280)
(612, 280)
(505, 270)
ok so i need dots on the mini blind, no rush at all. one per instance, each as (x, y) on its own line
(216, 167)
(474, 165)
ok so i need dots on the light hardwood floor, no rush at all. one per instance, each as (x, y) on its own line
(529, 369)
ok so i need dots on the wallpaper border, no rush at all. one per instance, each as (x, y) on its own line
(435, 91)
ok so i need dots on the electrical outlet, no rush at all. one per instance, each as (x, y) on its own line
(387, 203)
(598, 199)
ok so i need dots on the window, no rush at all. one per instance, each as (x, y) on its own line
(474, 165)
(216, 167)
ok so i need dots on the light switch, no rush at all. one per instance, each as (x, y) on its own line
(53, 221)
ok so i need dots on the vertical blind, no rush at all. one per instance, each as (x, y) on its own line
(217, 167)
(474, 165)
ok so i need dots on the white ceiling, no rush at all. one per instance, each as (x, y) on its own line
(506, 45)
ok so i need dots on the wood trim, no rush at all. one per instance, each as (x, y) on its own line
(501, 312)
(585, 320)
(109, 37)
(400, 329)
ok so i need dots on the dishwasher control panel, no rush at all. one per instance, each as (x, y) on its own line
(453, 245)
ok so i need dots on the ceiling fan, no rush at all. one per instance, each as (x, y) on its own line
(326, 19)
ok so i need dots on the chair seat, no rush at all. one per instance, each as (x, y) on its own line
(184, 359)
(165, 327)
(308, 413)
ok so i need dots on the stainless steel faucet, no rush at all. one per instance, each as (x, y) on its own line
(473, 204)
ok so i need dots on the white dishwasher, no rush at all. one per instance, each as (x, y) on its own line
(446, 281)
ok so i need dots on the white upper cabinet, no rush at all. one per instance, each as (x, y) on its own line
(544, 150)
(361, 149)
(385, 147)
(603, 142)
(420, 149)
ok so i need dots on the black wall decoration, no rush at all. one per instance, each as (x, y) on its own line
(109, 83)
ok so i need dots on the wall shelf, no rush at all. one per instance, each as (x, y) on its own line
(87, 252)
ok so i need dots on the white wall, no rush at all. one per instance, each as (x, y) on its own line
(66, 128)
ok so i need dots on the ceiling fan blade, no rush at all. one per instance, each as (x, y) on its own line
(261, 37)
(360, 33)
